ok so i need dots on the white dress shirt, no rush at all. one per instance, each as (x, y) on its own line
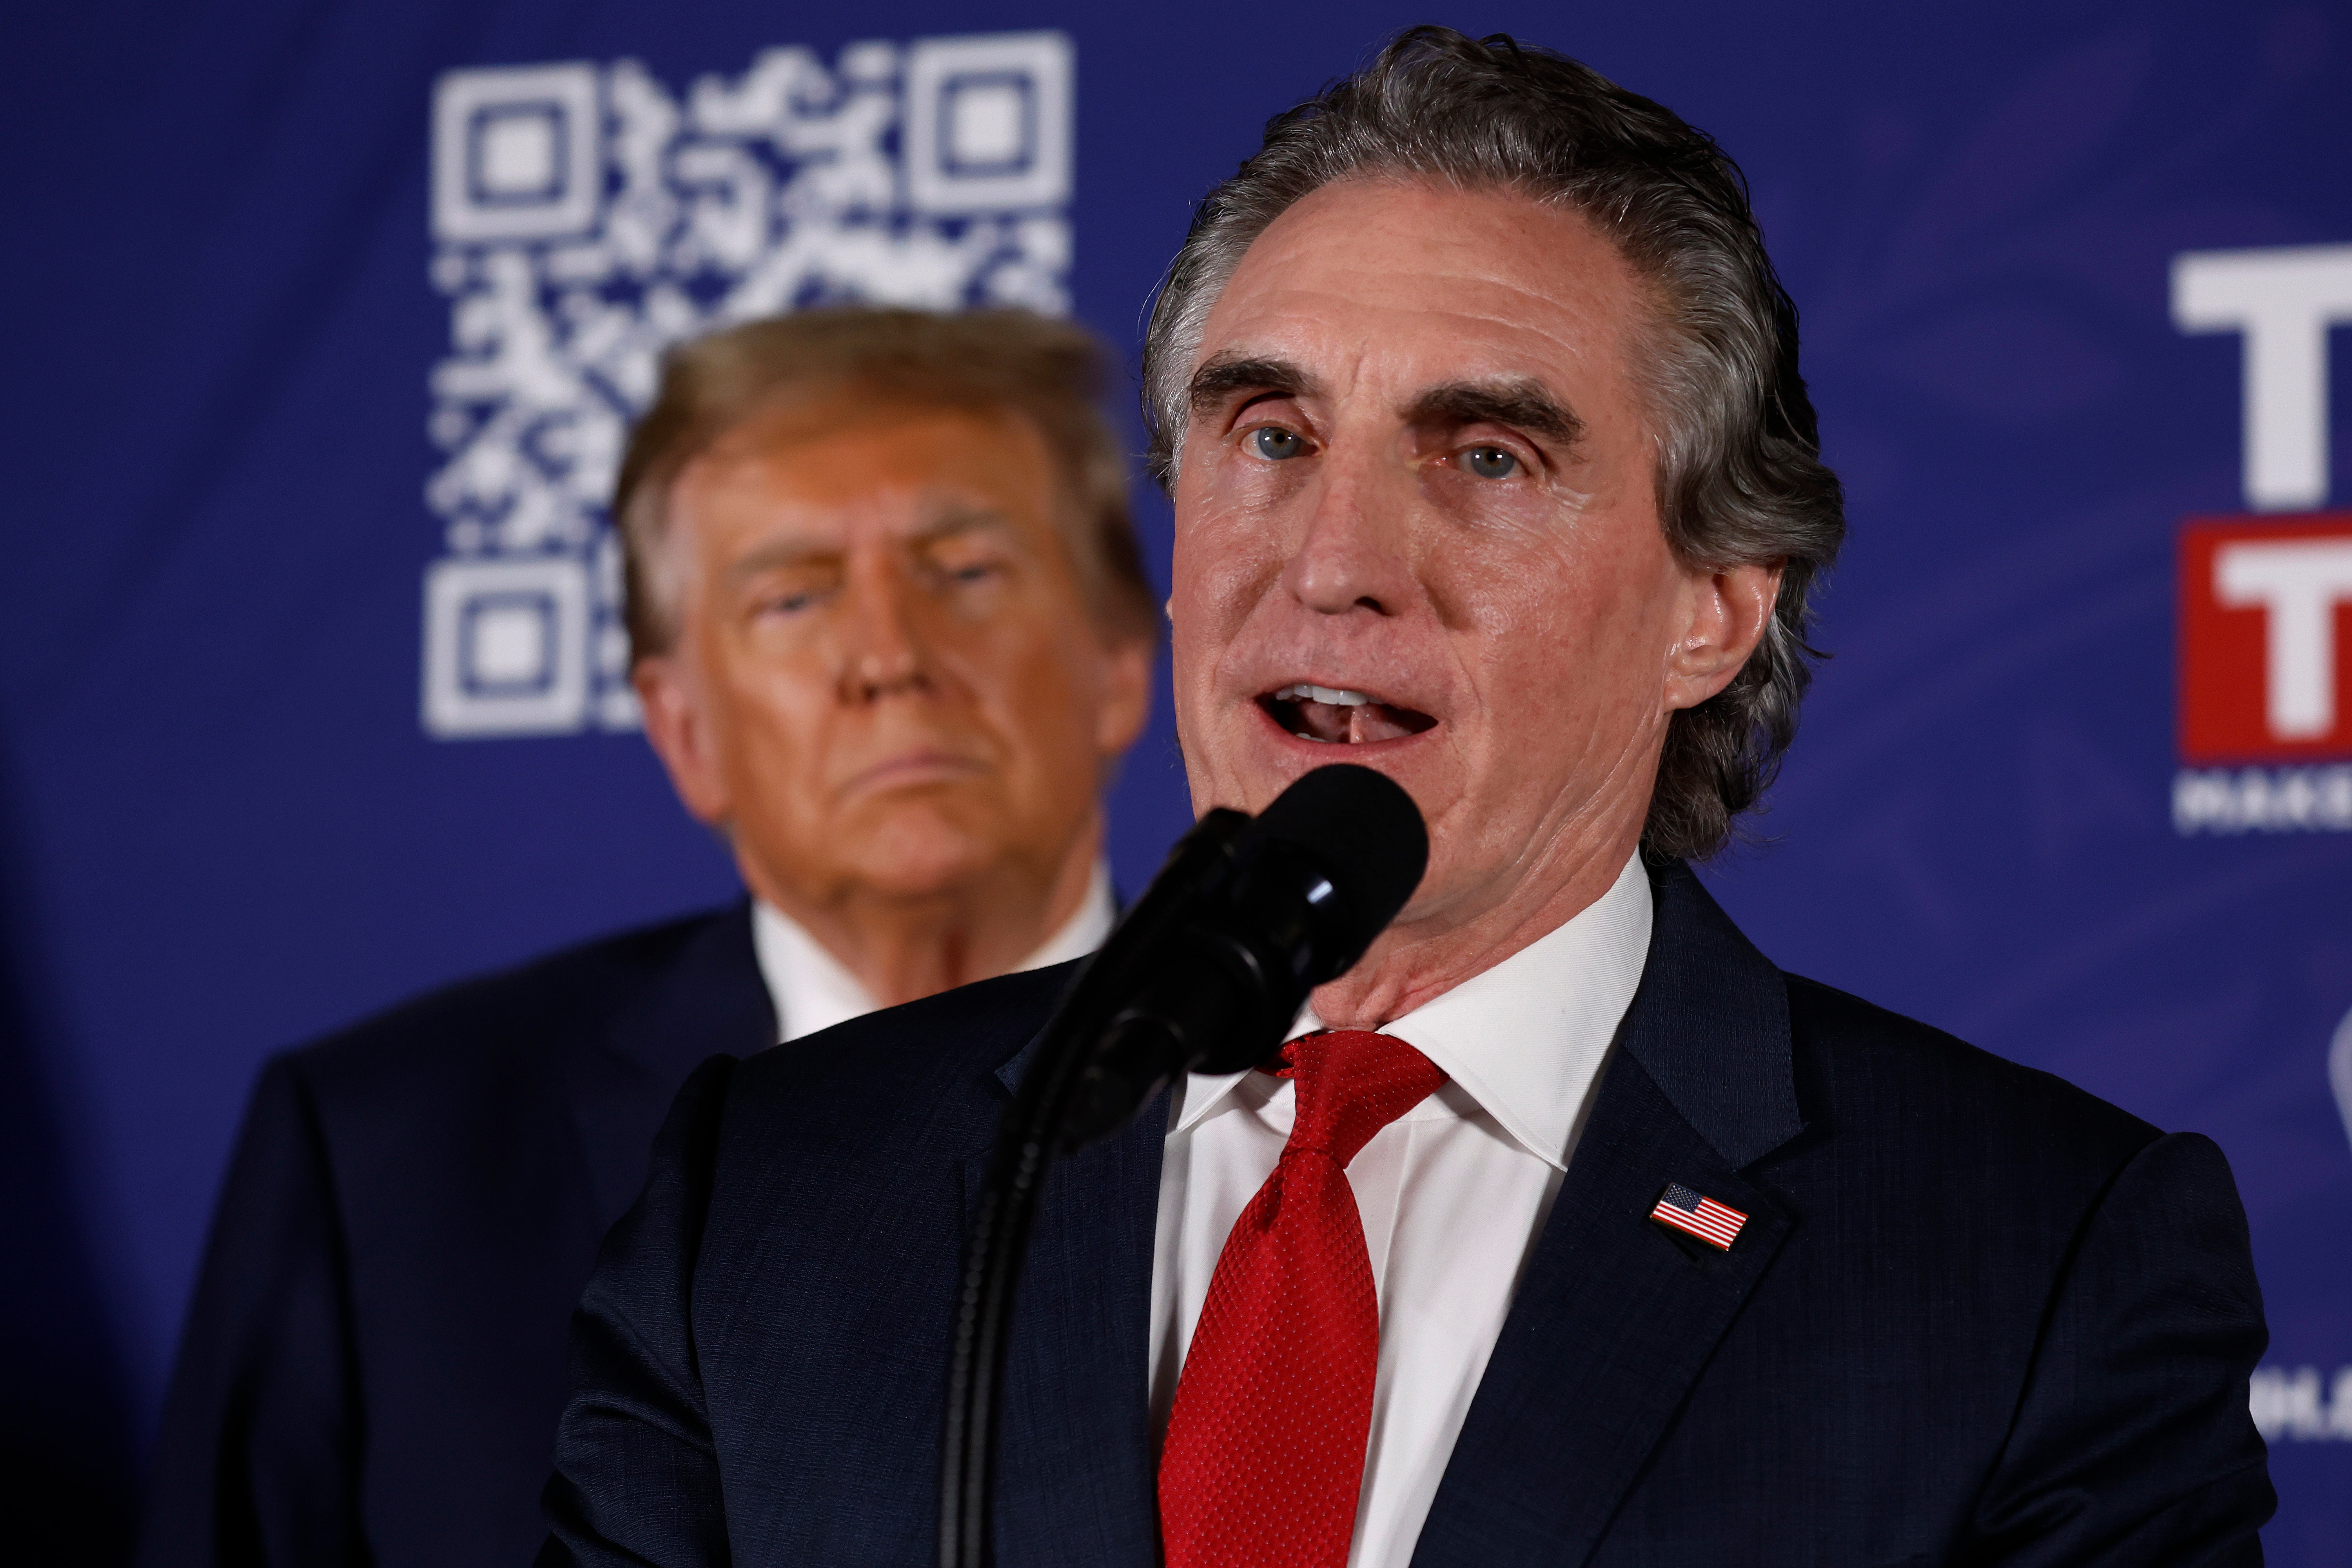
(812, 990)
(1453, 1194)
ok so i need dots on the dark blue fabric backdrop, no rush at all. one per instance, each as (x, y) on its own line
(323, 320)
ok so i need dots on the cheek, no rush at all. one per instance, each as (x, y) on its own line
(1226, 561)
(1569, 625)
(1232, 515)
(774, 708)
(1036, 677)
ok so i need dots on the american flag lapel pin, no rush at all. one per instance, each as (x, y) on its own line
(1715, 1223)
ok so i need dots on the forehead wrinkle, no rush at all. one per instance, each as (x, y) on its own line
(1568, 325)
(952, 519)
(955, 517)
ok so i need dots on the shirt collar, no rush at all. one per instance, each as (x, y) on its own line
(813, 990)
(1527, 1037)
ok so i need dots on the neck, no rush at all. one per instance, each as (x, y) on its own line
(1419, 960)
(902, 946)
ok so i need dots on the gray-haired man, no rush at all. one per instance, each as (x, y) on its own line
(1570, 1230)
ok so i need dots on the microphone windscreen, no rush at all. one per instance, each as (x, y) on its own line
(1362, 828)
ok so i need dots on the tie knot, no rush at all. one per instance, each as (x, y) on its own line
(1351, 1083)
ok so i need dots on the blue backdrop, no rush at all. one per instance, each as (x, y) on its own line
(324, 320)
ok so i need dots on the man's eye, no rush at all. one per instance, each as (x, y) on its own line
(962, 561)
(1276, 443)
(1489, 463)
(792, 601)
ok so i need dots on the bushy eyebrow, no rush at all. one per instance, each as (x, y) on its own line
(1222, 375)
(1521, 404)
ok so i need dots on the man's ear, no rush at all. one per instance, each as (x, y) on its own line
(678, 726)
(1126, 698)
(1728, 614)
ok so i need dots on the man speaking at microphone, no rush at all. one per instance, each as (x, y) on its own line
(1566, 1229)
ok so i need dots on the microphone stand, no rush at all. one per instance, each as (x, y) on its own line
(1066, 1070)
(1205, 972)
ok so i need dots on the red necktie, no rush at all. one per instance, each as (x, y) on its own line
(1265, 1446)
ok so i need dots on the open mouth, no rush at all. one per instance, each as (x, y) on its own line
(1337, 716)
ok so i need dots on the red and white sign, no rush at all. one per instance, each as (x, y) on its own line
(2266, 639)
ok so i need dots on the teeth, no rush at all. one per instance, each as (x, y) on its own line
(1335, 696)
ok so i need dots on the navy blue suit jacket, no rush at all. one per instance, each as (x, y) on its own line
(1976, 1316)
(373, 1365)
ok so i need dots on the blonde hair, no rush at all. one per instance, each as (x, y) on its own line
(1048, 371)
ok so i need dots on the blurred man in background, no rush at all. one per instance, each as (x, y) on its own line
(891, 635)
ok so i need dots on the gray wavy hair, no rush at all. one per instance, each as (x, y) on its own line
(1739, 477)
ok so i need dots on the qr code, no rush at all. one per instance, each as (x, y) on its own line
(585, 218)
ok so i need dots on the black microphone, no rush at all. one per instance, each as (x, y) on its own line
(1287, 902)
(1206, 971)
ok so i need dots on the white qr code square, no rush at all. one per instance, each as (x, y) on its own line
(988, 122)
(516, 153)
(585, 217)
(506, 645)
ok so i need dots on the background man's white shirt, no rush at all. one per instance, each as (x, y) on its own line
(812, 990)
(1453, 1194)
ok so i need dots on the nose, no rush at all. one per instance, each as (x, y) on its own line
(1352, 553)
(881, 652)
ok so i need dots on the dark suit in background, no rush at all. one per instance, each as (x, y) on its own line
(1975, 1316)
(375, 1355)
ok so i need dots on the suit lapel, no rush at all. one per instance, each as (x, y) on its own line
(1616, 1316)
(1075, 1479)
(708, 999)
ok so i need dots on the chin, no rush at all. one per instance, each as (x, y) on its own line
(919, 853)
